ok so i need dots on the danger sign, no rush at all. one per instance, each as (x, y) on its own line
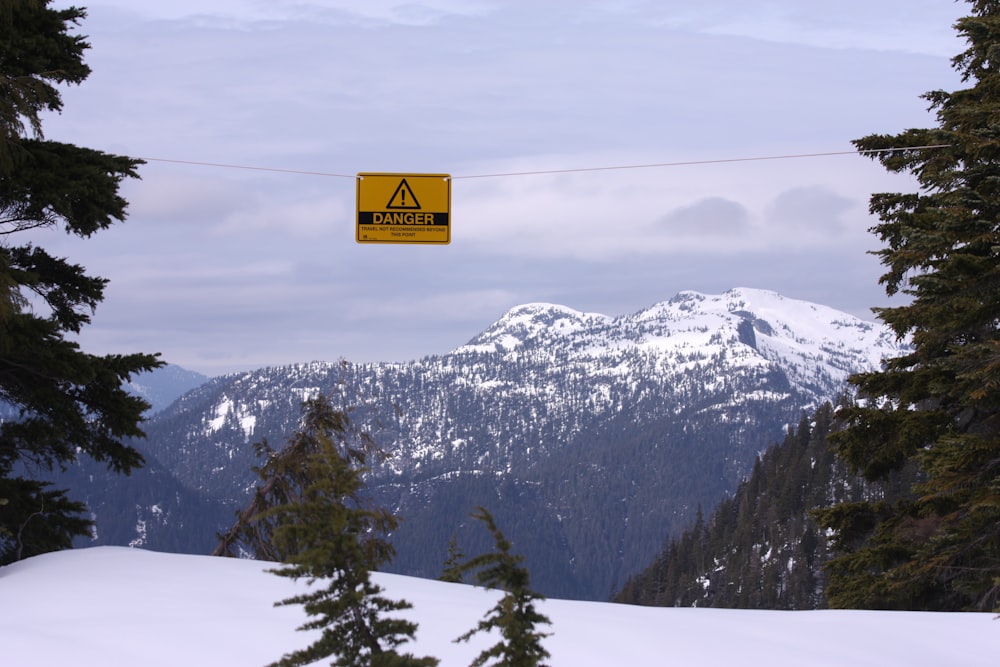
(404, 208)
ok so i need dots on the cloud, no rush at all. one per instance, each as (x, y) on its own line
(180, 197)
(812, 211)
(916, 26)
(308, 219)
(460, 304)
(243, 14)
(714, 216)
(223, 268)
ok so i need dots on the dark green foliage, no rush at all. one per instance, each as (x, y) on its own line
(39, 519)
(52, 184)
(310, 513)
(938, 407)
(515, 615)
(68, 403)
(284, 475)
(761, 548)
(452, 572)
(36, 52)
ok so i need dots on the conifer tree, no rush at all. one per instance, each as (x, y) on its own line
(936, 408)
(515, 615)
(69, 403)
(323, 529)
(453, 572)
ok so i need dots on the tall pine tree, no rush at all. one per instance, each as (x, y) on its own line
(937, 407)
(68, 403)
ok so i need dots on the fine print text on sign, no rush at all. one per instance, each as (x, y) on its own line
(404, 208)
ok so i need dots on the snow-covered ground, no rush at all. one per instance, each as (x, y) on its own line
(112, 606)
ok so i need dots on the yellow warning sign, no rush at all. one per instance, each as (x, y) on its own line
(404, 208)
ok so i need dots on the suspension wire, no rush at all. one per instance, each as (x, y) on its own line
(698, 162)
(243, 166)
(686, 163)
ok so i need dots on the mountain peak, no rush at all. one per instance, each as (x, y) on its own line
(570, 422)
(527, 323)
(815, 345)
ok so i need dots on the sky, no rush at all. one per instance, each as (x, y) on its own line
(227, 268)
(120, 606)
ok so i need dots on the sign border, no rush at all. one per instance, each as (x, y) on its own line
(357, 207)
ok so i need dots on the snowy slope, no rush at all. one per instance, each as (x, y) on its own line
(817, 345)
(116, 606)
(558, 367)
(592, 437)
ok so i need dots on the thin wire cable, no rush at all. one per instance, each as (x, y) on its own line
(698, 162)
(656, 165)
(241, 166)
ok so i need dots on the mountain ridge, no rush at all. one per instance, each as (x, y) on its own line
(591, 437)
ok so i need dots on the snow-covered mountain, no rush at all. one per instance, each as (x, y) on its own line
(816, 347)
(590, 437)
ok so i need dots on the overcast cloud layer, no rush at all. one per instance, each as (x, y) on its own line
(225, 269)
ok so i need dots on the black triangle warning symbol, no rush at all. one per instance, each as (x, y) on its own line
(403, 197)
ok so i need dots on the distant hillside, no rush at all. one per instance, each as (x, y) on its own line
(162, 386)
(761, 548)
(591, 438)
(150, 506)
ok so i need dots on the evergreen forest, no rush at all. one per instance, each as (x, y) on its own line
(762, 548)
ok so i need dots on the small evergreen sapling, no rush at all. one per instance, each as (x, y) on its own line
(515, 616)
(314, 517)
(452, 572)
